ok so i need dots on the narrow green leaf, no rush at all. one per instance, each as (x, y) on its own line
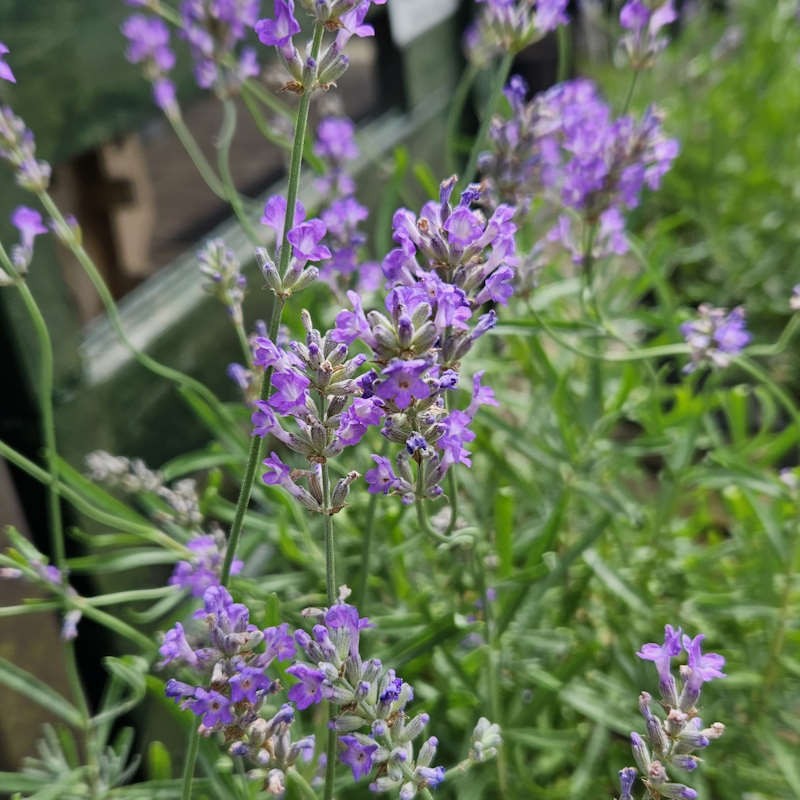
(31, 687)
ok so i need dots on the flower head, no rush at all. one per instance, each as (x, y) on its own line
(715, 336)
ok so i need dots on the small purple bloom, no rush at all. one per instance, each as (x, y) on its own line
(29, 223)
(463, 227)
(634, 15)
(275, 214)
(627, 778)
(715, 335)
(429, 776)
(213, 707)
(278, 643)
(703, 668)
(550, 14)
(357, 756)
(203, 567)
(402, 382)
(247, 685)
(290, 393)
(662, 655)
(309, 689)
(278, 32)
(278, 471)
(148, 40)
(336, 140)
(305, 239)
(381, 478)
(175, 647)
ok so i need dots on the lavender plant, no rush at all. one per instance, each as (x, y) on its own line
(521, 328)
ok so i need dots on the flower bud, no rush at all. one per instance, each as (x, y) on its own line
(341, 490)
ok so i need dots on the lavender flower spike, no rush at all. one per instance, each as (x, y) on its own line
(715, 336)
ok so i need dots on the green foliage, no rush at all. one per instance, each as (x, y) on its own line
(611, 493)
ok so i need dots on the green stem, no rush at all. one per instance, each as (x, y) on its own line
(256, 442)
(227, 132)
(192, 749)
(330, 587)
(330, 552)
(330, 764)
(763, 377)
(452, 488)
(295, 781)
(629, 96)
(564, 34)
(595, 397)
(196, 154)
(130, 596)
(254, 458)
(493, 686)
(455, 113)
(83, 505)
(366, 552)
(494, 97)
(44, 397)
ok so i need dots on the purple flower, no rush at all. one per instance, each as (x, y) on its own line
(642, 40)
(177, 690)
(662, 655)
(309, 689)
(29, 223)
(248, 684)
(457, 434)
(381, 478)
(148, 40)
(429, 776)
(265, 423)
(278, 471)
(731, 335)
(278, 643)
(164, 94)
(402, 382)
(463, 227)
(627, 777)
(715, 336)
(701, 669)
(305, 239)
(550, 14)
(357, 755)
(213, 707)
(175, 647)
(634, 15)
(204, 566)
(290, 393)
(336, 140)
(275, 214)
(5, 71)
(278, 32)
(352, 325)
